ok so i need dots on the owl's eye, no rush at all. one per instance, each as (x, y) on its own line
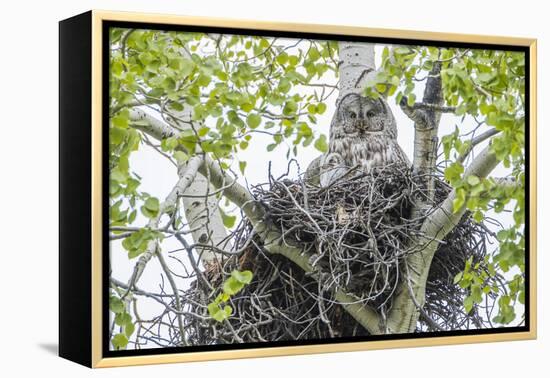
(352, 115)
(370, 114)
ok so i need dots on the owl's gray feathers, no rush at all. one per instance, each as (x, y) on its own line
(357, 115)
(363, 135)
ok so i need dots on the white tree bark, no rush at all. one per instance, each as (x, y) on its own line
(355, 64)
(201, 211)
(438, 224)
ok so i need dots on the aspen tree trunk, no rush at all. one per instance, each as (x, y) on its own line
(202, 214)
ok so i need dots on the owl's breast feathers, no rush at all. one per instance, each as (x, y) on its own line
(367, 151)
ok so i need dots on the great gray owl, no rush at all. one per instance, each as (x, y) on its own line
(363, 135)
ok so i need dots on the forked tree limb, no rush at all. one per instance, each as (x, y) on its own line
(404, 314)
(475, 141)
(426, 125)
(186, 177)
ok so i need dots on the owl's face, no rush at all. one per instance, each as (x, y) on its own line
(363, 116)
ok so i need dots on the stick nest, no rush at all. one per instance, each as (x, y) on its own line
(358, 232)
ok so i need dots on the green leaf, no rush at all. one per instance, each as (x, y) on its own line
(228, 220)
(181, 157)
(411, 99)
(116, 305)
(284, 85)
(478, 216)
(282, 58)
(129, 329)
(290, 107)
(217, 313)
(459, 200)
(151, 207)
(222, 297)
(476, 293)
(117, 135)
(521, 297)
(121, 119)
(228, 310)
(473, 180)
(454, 172)
(204, 80)
(152, 204)
(231, 286)
(138, 241)
(458, 277)
(321, 108)
(169, 84)
(186, 67)
(468, 304)
(244, 277)
(321, 143)
(119, 341)
(293, 60)
(213, 308)
(176, 106)
(168, 144)
(203, 131)
(472, 203)
(242, 166)
(253, 120)
(123, 318)
(313, 53)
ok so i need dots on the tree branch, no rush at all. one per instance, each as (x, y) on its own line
(186, 178)
(443, 219)
(174, 287)
(475, 141)
(436, 226)
(426, 125)
(434, 107)
(507, 182)
(234, 191)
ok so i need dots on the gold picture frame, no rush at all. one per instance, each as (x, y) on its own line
(85, 271)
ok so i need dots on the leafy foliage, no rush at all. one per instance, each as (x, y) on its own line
(123, 319)
(218, 309)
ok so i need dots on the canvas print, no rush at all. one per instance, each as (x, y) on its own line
(277, 188)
